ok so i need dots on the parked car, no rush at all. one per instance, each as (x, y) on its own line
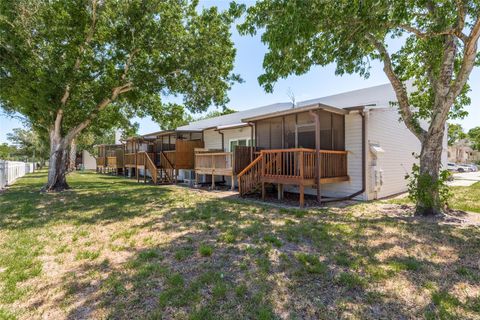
(464, 168)
(472, 167)
(452, 167)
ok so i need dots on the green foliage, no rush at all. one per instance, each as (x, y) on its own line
(455, 133)
(422, 187)
(474, 137)
(311, 263)
(29, 144)
(7, 152)
(104, 62)
(205, 250)
(434, 51)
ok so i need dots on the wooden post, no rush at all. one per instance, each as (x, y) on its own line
(263, 190)
(301, 186)
(302, 195)
(317, 155)
(145, 168)
(213, 172)
(280, 191)
(233, 182)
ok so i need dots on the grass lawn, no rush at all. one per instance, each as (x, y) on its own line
(466, 198)
(112, 248)
(463, 198)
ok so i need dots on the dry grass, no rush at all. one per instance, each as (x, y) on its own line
(111, 248)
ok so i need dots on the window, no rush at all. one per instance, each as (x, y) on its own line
(305, 136)
(239, 142)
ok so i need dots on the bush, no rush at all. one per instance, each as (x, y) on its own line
(421, 187)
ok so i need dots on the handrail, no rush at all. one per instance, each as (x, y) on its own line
(257, 159)
(168, 161)
(150, 166)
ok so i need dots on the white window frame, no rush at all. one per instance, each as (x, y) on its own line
(248, 140)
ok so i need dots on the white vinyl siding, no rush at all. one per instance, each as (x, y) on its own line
(398, 143)
(213, 138)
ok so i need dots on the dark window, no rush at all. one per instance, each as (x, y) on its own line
(276, 133)
(325, 130)
(263, 134)
(306, 136)
(290, 128)
(338, 125)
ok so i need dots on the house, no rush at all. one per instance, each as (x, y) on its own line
(161, 155)
(348, 145)
(85, 161)
(461, 152)
(110, 158)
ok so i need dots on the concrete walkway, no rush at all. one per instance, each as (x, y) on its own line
(464, 179)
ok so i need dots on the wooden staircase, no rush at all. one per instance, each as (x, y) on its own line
(249, 178)
(159, 175)
(166, 170)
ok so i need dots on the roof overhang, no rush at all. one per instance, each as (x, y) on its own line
(232, 126)
(317, 106)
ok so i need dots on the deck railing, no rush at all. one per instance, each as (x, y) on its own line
(300, 163)
(214, 161)
(112, 162)
(101, 161)
(130, 159)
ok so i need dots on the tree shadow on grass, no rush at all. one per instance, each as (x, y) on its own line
(228, 258)
(106, 199)
(269, 263)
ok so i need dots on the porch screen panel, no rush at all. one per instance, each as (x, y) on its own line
(263, 134)
(305, 118)
(276, 133)
(325, 130)
(289, 128)
(338, 130)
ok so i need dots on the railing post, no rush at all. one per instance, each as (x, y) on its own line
(300, 160)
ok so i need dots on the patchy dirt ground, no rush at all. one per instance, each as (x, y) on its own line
(112, 248)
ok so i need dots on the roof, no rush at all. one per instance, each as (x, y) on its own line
(375, 97)
(234, 118)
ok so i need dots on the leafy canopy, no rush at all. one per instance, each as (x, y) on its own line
(435, 53)
(28, 144)
(455, 133)
(108, 61)
(474, 137)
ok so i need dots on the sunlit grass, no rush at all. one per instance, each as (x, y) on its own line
(113, 248)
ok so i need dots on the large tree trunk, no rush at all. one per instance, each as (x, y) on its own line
(72, 156)
(430, 166)
(57, 165)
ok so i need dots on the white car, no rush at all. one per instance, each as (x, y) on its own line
(452, 167)
(464, 168)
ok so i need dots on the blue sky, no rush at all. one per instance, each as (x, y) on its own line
(318, 82)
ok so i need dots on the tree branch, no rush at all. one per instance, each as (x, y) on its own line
(468, 61)
(400, 91)
(78, 61)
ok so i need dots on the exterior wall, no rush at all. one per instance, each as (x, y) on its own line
(89, 162)
(398, 143)
(353, 144)
(212, 139)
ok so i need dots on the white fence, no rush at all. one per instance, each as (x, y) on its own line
(12, 170)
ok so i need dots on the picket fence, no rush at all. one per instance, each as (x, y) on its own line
(10, 171)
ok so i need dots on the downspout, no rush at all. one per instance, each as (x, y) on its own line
(251, 125)
(364, 163)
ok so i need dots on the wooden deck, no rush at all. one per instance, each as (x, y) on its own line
(110, 158)
(293, 167)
